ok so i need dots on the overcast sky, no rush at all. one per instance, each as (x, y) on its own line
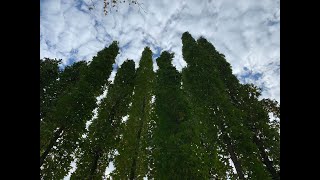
(247, 32)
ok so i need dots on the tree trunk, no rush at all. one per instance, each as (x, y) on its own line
(132, 171)
(234, 158)
(265, 159)
(98, 150)
(53, 141)
(94, 164)
(134, 163)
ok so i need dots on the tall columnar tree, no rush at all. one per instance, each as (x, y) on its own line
(266, 133)
(49, 73)
(272, 137)
(200, 119)
(104, 132)
(132, 163)
(52, 85)
(224, 119)
(175, 153)
(219, 110)
(203, 91)
(242, 99)
(71, 112)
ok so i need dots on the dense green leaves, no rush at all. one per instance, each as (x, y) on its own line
(104, 131)
(203, 88)
(132, 161)
(49, 84)
(175, 142)
(215, 90)
(71, 112)
(201, 123)
(50, 90)
(252, 116)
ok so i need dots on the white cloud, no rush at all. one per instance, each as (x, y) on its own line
(246, 31)
(74, 167)
(124, 119)
(109, 170)
(99, 99)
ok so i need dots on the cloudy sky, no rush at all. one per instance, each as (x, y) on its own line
(247, 32)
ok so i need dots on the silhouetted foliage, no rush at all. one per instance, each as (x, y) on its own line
(201, 123)
(132, 161)
(104, 132)
(70, 113)
(108, 5)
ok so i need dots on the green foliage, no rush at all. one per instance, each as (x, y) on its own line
(73, 109)
(62, 82)
(200, 120)
(250, 115)
(209, 81)
(49, 73)
(132, 161)
(265, 132)
(175, 138)
(203, 90)
(105, 131)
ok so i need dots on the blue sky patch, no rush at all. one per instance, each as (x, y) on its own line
(249, 75)
(156, 54)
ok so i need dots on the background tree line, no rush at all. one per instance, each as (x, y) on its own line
(201, 123)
